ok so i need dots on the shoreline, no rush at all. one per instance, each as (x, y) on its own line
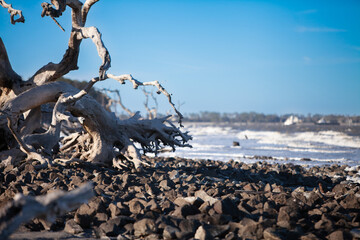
(351, 130)
(179, 198)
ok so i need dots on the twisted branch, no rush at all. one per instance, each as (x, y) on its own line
(136, 84)
(13, 13)
(24, 208)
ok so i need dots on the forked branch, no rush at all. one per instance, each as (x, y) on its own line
(13, 13)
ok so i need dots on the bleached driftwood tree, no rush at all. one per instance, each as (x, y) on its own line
(24, 208)
(105, 139)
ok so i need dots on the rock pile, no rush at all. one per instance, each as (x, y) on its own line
(184, 199)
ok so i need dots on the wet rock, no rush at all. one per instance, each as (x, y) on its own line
(144, 227)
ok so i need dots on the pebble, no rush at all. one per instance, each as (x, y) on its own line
(184, 199)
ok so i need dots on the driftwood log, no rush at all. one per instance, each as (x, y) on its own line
(24, 208)
(103, 138)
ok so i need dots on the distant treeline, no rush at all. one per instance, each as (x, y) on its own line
(245, 117)
(253, 117)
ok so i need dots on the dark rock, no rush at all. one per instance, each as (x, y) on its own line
(114, 210)
(153, 206)
(205, 197)
(10, 178)
(101, 217)
(355, 233)
(167, 206)
(114, 226)
(173, 174)
(72, 227)
(218, 230)
(185, 211)
(227, 206)
(189, 225)
(202, 234)
(351, 202)
(309, 236)
(287, 217)
(338, 235)
(144, 227)
(236, 144)
(136, 206)
(325, 223)
(340, 189)
(268, 188)
(84, 216)
(271, 234)
(167, 184)
(170, 232)
(231, 236)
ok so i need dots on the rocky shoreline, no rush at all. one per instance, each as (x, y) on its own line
(178, 198)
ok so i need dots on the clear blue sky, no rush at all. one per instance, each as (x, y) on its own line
(227, 56)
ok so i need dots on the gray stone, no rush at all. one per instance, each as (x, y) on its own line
(144, 227)
(72, 227)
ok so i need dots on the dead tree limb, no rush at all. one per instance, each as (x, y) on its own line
(118, 100)
(103, 132)
(151, 111)
(24, 208)
(13, 13)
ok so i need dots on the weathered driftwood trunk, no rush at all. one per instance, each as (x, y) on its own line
(25, 208)
(105, 138)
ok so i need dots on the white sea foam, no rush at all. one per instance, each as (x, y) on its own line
(215, 142)
(299, 139)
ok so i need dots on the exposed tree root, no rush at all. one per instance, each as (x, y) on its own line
(103, 138)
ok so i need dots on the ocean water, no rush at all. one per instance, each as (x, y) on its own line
(215, 142)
